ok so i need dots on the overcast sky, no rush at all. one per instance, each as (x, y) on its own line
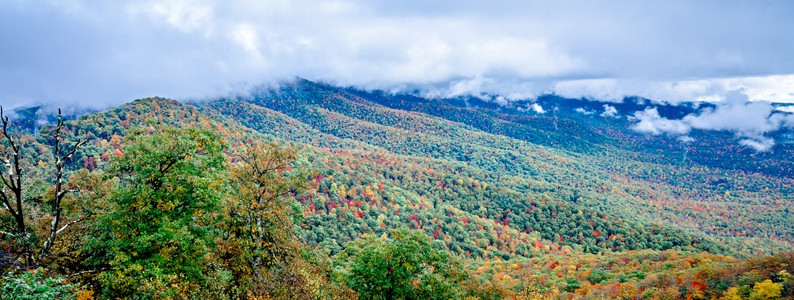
(100, 53)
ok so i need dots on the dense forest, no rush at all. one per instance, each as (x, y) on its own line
(310, 191)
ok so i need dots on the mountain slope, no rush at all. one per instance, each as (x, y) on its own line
(609, 181)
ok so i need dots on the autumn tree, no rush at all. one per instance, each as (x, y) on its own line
(766, 290)
(258, 222)
(156, 238)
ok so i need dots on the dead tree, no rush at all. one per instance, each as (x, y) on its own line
(11, 192)
(60, 190)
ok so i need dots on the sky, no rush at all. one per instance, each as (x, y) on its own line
(102, 53)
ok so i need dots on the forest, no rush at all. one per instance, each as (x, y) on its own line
(311, 191)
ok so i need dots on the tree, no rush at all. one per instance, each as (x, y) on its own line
(766, 290)
(12, 195)
(61, 155)
(402, 266)
(257, 226)
(731, 294)
(157, 236)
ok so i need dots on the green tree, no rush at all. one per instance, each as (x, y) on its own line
(403, 266)
(571, 285)
(157, 236)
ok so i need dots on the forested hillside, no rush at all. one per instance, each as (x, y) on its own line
(575, 166)
(313, 191)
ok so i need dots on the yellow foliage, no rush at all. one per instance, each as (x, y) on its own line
(85, 295)
(530, 292)
(731, 294)
(785, 275)
(766, 290)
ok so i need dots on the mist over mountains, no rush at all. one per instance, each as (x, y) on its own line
(85, 53)
(754, 124)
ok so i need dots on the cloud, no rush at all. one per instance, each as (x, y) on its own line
(686, 139)
(774, 88)
(651, 122)
(760, 144)
(537, 108)
(610, 111)
(750, 121)
(584, 111)
(105, 53)
(597, 89)
(788, 109)
(184, 15)
(534, 107)
(738, 115)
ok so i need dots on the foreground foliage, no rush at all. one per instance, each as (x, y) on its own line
(404, 265)
(35, 285)
(158, 233)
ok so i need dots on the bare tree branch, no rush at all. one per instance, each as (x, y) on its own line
(14, 183)
(70, 223)
(88, 272)
(60, 192)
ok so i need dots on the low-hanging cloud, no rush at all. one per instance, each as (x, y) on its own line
(537, 108)
(610, 112)
(649, 121)
(105, 53)
(749, 121)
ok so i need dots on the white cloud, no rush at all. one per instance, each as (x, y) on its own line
(596, 89)
(465, 87)
(651, 122)
(760, 143)
(610, 111)
(788, 109)
(584, 111)
(738, 115)
(114, 51)
(750, 121)
(246, 36)
(537, 108)
(184, 15)
(774, 88)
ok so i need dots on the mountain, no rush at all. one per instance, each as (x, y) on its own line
(514, 192)
(574, 163)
